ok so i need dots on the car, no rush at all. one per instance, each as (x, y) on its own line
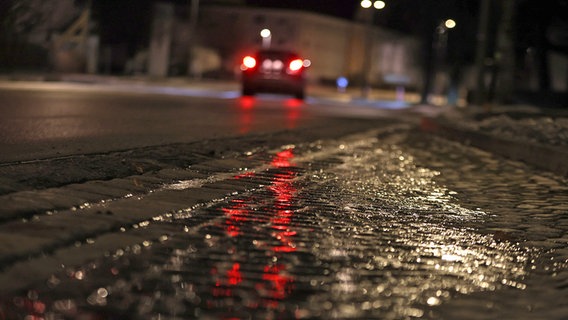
(274, 71)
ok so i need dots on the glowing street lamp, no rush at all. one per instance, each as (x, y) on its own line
(266, 37)
(379, 5)
(450, 23)
(366, 4)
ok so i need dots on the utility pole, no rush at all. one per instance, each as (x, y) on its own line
(505, 54)
(368, 47)
(480, 92)
(193, 16)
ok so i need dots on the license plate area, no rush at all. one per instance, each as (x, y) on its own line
(272, 68)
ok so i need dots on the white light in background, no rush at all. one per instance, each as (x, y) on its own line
(450, 24)
(266, 38)
(366, 4)
(379, 5)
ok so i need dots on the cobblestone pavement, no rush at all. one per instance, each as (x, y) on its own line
(384, 223)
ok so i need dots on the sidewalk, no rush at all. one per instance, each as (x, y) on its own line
(537, 136)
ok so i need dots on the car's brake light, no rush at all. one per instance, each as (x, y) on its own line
(296, 64)
(249, 62)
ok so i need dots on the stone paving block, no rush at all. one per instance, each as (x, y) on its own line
(179, 174)
(184, 199)
(131, 184)
(134, 210)
(82, 196)
(10, 186)
(78, 224)
(29, 272)
(105, 243)
(148, 181)
(225, 186)
(46, 233)
(221, 165)
(39, 229)
(546, 157)
(16, 244)
(60, 199)
(237, 185)
(23, 204)
(42, 268)
(107, 190)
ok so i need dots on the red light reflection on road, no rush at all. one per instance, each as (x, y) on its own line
(289, 111)
(236, 215)
(224, 285)
(293, 110)
(247, 103)
(282, 159)
(275, 283)
(293, 103)
(246, 106)
(31, 306)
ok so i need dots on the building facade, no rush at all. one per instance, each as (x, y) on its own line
(336, 47)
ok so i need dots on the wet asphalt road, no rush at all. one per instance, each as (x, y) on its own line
(46, 120)
(366, 219)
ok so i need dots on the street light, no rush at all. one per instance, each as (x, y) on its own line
(266, 37)
(379, 5)
(366, 4)
(450, 23)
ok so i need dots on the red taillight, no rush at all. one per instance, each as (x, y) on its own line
(249, 62)
(296, 65)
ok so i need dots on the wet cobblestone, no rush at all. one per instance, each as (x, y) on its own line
(396, 227)
(526, 207)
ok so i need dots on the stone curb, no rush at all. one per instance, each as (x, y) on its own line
(546, 158)
(73, 224)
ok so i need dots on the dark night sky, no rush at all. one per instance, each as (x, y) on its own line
(119, 19)
(403, 15)
(408, 16)
(338, 8)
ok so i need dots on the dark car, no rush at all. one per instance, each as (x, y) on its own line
(274, 71)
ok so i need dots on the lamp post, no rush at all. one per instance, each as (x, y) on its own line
(441, 35)
(193, 16)
(440, 46)
(266, 37)
(377, 5)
